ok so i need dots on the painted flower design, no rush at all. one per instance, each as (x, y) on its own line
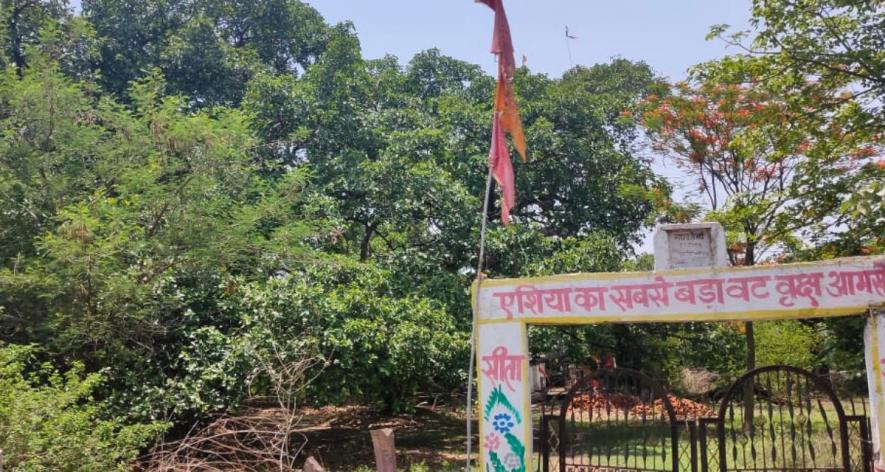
(511, 461)
(503, 423)
(492, 442)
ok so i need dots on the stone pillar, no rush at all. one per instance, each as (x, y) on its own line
(505, 417)
(874, 352)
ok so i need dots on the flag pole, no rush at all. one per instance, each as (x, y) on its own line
(505, 121)
(479, 267)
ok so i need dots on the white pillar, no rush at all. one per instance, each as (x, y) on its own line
(874, 352)
(505, 426)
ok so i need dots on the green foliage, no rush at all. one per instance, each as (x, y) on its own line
(837, 42)
(823, 61)
(788, 342)
(163, 197)
(577, 134)
(208, 50)
(23, 22)
(374, 347)
(595, 252)
(49, 420)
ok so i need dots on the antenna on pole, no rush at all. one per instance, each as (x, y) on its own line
(568, 46)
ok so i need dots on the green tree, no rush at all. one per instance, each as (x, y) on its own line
(207, 50)
(584, 151)
(115, 217)
(199, 64)
(286, 35)
(22, 21)
(789, 342)
(823, 60)
(838, 43)
(132, 36)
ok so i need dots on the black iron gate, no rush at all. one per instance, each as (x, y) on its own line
(613, 420)
(782, 418)
(775, 418)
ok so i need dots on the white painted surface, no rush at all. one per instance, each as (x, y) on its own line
(832, 288)
(502, 349)
(688, 246)
(874, 350)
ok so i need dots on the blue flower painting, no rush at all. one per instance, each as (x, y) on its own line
(503, 423)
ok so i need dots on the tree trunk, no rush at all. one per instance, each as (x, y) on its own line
(749, 386)
(15, 45)
(749, 336)
(750, 260)
(366, 244)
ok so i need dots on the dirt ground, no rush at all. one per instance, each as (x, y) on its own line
(429, 438)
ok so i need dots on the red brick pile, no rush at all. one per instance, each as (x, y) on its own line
(612, 404)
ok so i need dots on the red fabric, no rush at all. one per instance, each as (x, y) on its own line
(505, 99)
(502, 169)
(506, 119)
(502, 42)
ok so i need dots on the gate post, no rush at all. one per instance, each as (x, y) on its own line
(874, 353)
(545, 443)
(505, 426)
(693, 440)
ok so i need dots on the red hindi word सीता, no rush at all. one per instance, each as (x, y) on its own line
(503, 367)
(709, 292)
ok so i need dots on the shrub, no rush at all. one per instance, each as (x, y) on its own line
(373, 346)
(788, 342)
(50, 422)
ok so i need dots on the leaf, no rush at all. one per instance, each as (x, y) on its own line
(496, 463)
(517, 447)
(716, 31)
(498, 398)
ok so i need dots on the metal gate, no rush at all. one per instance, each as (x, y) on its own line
(614, 420)
(775, 418)
(782, 418)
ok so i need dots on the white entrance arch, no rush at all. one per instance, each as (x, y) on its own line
(505, 308)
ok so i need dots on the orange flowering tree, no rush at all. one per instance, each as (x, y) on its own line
(824, 59)
(775, 181)
(778, 178)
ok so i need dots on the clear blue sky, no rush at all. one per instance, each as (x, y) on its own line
(669, 35)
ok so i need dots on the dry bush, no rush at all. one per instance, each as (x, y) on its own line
(698, 381)
(260, 441)
(257, 440)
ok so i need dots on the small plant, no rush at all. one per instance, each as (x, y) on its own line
(49, 420)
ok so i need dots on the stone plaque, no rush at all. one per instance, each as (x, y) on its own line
(690, 248)
(687, 246)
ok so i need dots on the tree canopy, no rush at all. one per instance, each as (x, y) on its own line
(179, 179)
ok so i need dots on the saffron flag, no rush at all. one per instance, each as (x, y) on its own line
(502, 42)
(502, 168)
(505, 105)
(505, 99)
(506, 117)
